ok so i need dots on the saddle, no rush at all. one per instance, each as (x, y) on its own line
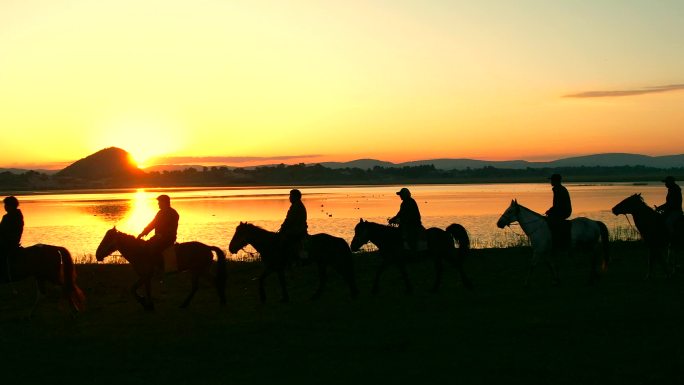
(560, 233)
(170, 259)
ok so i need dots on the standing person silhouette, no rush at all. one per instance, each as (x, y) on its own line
(293, 230)
(165, 226)
(672, 208)
(559, 212)
(408, 219)
(11, 229)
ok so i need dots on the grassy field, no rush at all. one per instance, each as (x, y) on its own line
(623, 330)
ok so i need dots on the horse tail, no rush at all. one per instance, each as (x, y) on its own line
(460, 235)
(220, 273)
(72, 292)
(606, 245)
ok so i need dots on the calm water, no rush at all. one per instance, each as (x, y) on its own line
(78, 221)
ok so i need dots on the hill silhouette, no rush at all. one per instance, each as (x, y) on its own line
(110, 164)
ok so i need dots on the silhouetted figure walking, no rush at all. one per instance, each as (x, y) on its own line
(165, 226)
(294, 228)
(408, 219)
(11, 229)
(558, 213)
(672, 208)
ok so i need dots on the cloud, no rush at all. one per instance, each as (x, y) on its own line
(634, 92)
(230, 159)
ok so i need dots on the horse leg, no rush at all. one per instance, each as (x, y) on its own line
(554, 272)
(404, 275)
(348, 275)
(262, 278)
(148, 293)
(145, 280)
(193, 290)
(593, 262)
(40, 290)
(283, 286)
(533, 263)
(439, 268)
(458, 262)
(322, 280)
(378, 273)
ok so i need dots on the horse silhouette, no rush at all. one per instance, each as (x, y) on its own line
(654, 232)
(390, 243)
(323, 248)
(585, 235)
(195, 257)
(47, 263)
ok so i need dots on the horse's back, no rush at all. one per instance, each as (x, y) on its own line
(327, 241)
(585, 230)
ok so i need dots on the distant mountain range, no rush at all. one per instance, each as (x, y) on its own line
(117, 163)
(602, 160)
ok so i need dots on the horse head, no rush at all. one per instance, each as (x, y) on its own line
(510, 215)
(108, 244)
(361, 235)
(240, 238)
(629, 204)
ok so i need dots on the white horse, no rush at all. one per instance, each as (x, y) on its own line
(585, 234)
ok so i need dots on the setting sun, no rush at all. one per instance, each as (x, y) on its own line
(144, 139)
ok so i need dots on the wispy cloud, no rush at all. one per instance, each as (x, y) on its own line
(633, 92)
(228, 160)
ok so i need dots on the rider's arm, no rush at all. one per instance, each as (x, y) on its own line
(149, 227)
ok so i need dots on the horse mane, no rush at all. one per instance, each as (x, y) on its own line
(254, 227)
(128, 238)
(528, 209)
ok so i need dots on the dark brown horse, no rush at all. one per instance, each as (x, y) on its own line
(322, 248)
(654, 232)
(195, 257)
(390, 243)
(47, 263)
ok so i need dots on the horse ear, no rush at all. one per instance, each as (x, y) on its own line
(114, 228)
(360, 220)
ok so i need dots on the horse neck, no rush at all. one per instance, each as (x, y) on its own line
(381, 235)
(529, 220)
(260, 238)
(129, 246)
(644, 216)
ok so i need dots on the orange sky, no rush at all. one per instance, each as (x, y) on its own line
(339, 80)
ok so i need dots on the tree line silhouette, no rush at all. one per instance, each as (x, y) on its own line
(302, 174)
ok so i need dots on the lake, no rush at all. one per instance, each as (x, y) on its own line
(78, 220)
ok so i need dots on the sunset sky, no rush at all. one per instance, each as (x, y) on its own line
(306, 81)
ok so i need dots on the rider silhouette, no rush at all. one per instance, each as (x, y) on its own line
(559, 212)
(165, 226)
(672, 208)
(11, 228)
(294, 228)
(408, 219)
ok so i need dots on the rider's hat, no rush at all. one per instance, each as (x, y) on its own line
(295, 193)
(668, 179)
(164, 198)
(404, 192)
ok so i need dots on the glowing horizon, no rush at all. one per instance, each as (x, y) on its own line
(339, 81)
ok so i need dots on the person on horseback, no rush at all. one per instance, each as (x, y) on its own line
(672, 208)
(293, 230)
(408, 219)
(165, 226)
(11, 229)
(559, 212)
